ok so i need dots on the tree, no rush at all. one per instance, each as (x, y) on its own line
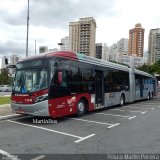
(152, 69)
(5, 79)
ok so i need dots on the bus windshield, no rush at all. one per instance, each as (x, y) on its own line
(31, 80)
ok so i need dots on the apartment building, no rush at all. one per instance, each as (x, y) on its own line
(65, 44)
(136, 41)
(154, 45)
(82, 36)
(123, 46)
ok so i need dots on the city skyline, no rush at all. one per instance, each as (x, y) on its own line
(114, 20)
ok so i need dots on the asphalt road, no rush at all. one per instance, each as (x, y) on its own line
(133, 128)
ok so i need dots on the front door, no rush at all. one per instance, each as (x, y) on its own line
(99, 88)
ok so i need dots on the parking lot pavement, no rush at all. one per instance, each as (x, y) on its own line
(133, 128)
(6, 112)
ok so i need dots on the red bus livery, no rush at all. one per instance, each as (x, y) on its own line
(62, 83)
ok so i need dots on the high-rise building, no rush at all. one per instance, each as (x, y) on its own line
(123, 46)
(102, 51)
(154, 45)
(53, 49)
(131, 61)
(105, 52)
(99, 49)
(12, 60)
(43, 49)
(64, 44)
(136, 41)
(82, 36)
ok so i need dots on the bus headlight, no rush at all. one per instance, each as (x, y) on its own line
(41, 98)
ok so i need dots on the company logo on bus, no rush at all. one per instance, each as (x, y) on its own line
(72, 100)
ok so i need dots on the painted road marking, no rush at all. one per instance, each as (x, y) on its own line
(113, 125)
(128, 110)
(144, 112)
(8, 155)
(8, 116)
(85, 120)
(140, 107)
(132, 117)
(83, 138)
(117, 115)
(50, 130)
(23, 117)
(39, 157)
(145, 105)
(150, 103)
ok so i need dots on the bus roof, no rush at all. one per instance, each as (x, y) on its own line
(85, 59)
(143, 73)
(78, 57)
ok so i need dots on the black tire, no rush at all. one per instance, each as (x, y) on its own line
(81, 108)
(122, 101)
(149, 96)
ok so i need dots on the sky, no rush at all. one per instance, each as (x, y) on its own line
(49, 21)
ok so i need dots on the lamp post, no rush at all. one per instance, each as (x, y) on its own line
(35, 47)
(27, 30)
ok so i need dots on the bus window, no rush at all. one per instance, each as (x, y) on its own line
(60, 79)
(87, 80)
(116, 80)
(75, 79)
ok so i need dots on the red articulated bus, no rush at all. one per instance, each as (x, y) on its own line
(62, 83)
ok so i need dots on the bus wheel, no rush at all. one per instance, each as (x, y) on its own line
(149, 96)
(81, 108)
(122, 100)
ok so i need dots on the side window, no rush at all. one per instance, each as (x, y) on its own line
(110, 81)
(116, 80)
(75, 79)
(87, 81)
(61, 78)
(123, 80)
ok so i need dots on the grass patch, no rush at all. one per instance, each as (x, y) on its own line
(5, 100)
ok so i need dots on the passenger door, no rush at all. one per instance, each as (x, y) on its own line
(99, 87)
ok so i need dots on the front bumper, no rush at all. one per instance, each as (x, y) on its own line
(37, 109)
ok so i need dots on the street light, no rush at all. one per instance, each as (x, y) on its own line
(27, 30)
(35, 47)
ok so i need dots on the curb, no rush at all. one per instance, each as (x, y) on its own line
(5, 95)
(10, 116)
(3, 105)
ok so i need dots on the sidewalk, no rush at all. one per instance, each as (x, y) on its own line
(6, 112)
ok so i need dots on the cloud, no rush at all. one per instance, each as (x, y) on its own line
(49, 20)
(12, 47)
(57, 14)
